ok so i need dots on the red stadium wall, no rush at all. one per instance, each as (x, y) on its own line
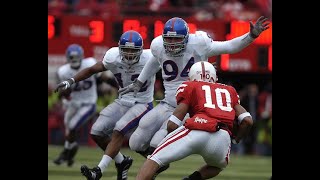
(97, 35)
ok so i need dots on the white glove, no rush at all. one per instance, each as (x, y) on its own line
(134, 87)
(260, 26)
(64, 85)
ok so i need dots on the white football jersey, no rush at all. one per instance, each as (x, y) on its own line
(83, 91)
(126, 74)
(175, 69)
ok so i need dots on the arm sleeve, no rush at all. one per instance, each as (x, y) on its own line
(105, 62)
(109, 59)
(149, 69)
(228, 47)
(184, 93)
(235, 96)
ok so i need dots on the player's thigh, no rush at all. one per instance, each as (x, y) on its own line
(154, 119)
(107, 119)
(131, 118)
(70, 112)
(217, 151)
(83, 114)
(148, 126)
(175, 147)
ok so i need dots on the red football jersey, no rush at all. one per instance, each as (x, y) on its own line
(209, 102)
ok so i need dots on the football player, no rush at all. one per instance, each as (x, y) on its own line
(78, 109)
(212, 107)
(122, 116)
(174, 52)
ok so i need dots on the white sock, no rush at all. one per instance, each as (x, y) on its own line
(104, 162)
(66, 145)
(118, 158)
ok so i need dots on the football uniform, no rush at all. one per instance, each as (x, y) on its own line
(201, 96)
(209, 104)
(175, 70)
(125, 112)
(82, 104)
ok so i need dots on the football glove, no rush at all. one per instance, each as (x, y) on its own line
(257, 28)
(64, 85)
(134, 87)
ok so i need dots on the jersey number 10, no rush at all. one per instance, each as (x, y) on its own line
(219, 93)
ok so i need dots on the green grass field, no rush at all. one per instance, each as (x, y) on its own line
(240, 167)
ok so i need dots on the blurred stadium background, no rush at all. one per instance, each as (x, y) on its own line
(97, 25)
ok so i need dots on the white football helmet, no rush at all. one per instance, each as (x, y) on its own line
(203, 71)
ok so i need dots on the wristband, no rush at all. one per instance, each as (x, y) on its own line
(175, 120)
(73, 81)
(242, 116)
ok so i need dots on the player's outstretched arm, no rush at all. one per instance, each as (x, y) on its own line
(246, 122)
(83, 74)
